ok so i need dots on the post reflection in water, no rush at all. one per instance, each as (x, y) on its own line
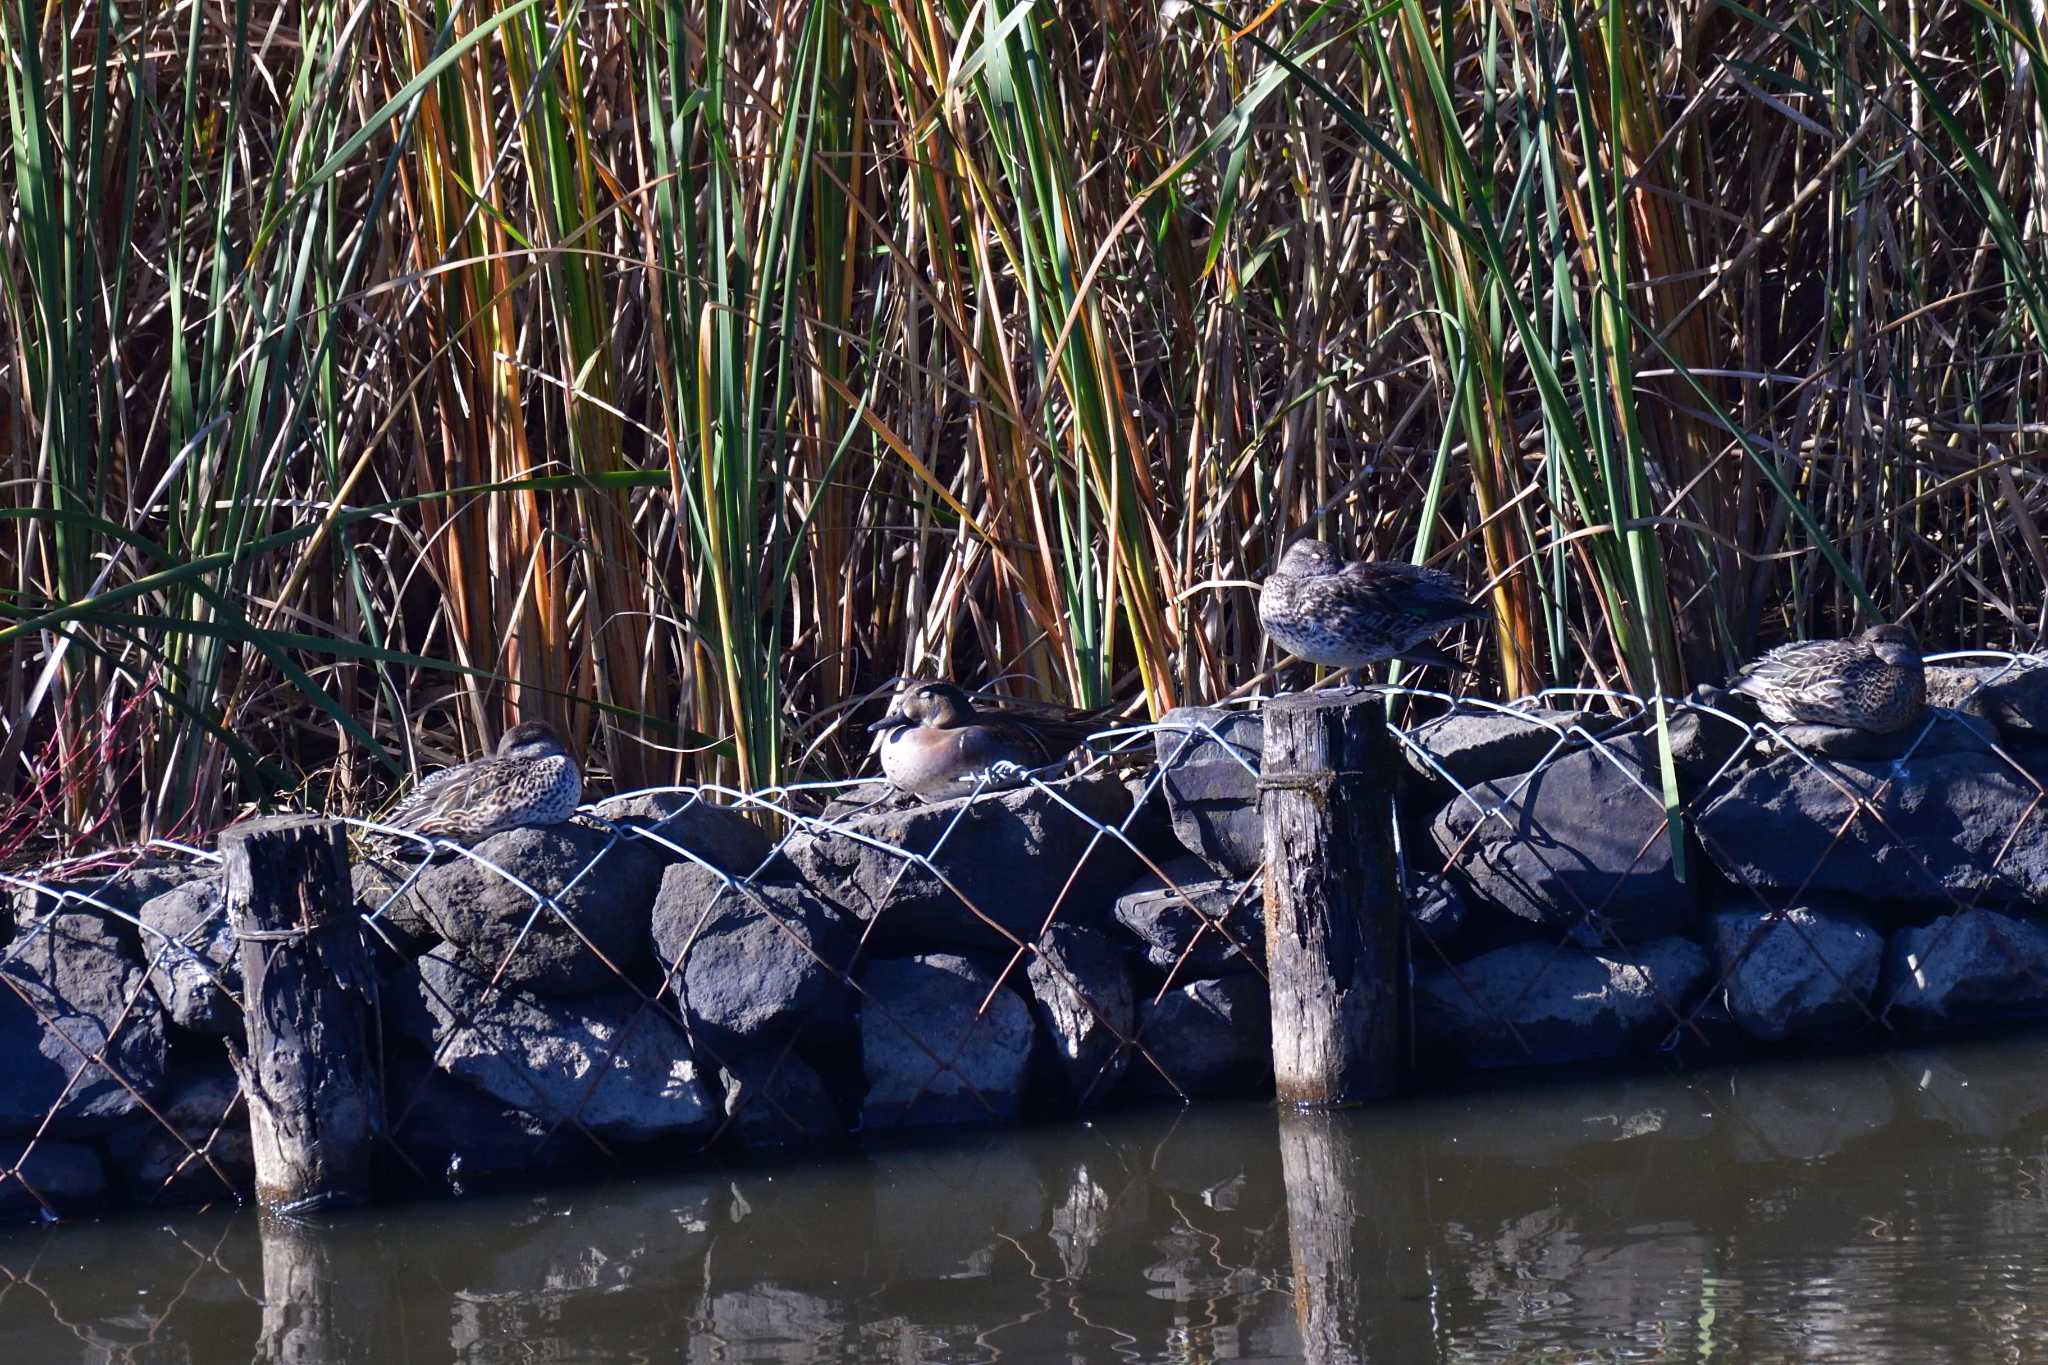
(1875, 1210)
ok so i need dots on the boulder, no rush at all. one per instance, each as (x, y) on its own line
(1013, 855)
(1806, 971)
(752, 965)
(194, 958)
(203, 1157)
(1437, 907)
(930, 1054)
(1958, 824)
(1209, 764)
(603, 886)
(779, 1102)
(72, 993)
(2012, 696)
(67, 1179)
(718, 834)
(1223, 918)
(124, 891)
(614, 1063)
(1206, 1040)
(447, 1134)
(1703, 743)
(1537, 1004)
(1935, 732)
(395, 920)
(1081, 995)
(1975, 964)
(1463, 748)
(1582, 845)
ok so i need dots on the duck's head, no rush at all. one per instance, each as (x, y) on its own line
(530, 739)
(1307, 558)
(938, 705)
(1897, 645)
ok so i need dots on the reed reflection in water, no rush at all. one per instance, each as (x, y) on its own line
(1884, 1209)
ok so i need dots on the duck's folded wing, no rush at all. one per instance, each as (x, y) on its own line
(451, 789)
(1412, 591)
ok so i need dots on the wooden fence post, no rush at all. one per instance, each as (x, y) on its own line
(1333, 904)
(307, 999)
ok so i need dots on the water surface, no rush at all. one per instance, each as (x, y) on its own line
(1886, 1209)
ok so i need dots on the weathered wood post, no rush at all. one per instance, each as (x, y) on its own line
(307, 1001)
(1333, 905)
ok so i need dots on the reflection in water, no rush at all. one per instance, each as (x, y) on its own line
(1877, 1209)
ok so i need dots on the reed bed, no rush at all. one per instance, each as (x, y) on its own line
(681, 373)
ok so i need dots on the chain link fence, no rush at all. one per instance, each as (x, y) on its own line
(683, 970)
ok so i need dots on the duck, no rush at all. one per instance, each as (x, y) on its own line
(1348, 615)
(529, 780)
(1872, 682)
(934, 743)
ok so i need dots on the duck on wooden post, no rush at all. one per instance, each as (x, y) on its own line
(1872, 682)
(530, 780)
(1350, 615)
(935, 743)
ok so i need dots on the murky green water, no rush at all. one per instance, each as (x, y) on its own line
(1887, 1209)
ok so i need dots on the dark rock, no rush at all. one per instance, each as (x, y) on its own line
(1223, 918)
(752, 964)
(62, 1178)
(931, 1056)
(865, 799)
(718, 834)
(1582, 844)
(1464, 748)
(1703, 744)
(1975, 964)
(1944, 826)
(1209, 760)
(1803, 972)
(1081, 994)
(1934, 733)
(2013, 697)
(1014, 856)
(1535, 1004)
(614, 1063)
(604, 886)
(444, 1133)
(1436, 907)
(73, 993)
(124, 892)
(1210, 1039)
(394, 919)
(203, 1157)
(195, 961)
(780, 1102)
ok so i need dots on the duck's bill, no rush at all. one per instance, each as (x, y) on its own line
(889, 722)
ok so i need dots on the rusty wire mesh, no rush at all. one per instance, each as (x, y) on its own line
(521, 1039)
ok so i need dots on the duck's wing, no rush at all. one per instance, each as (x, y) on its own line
(1810, 672)
(428, 807)
(1422, 595)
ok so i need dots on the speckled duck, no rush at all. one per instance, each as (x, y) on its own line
(530, 780)
(1349, 615)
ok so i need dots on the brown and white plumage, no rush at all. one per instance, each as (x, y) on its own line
(1873, 682)
(935, 743)
(530, 780)
(1348, 615)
